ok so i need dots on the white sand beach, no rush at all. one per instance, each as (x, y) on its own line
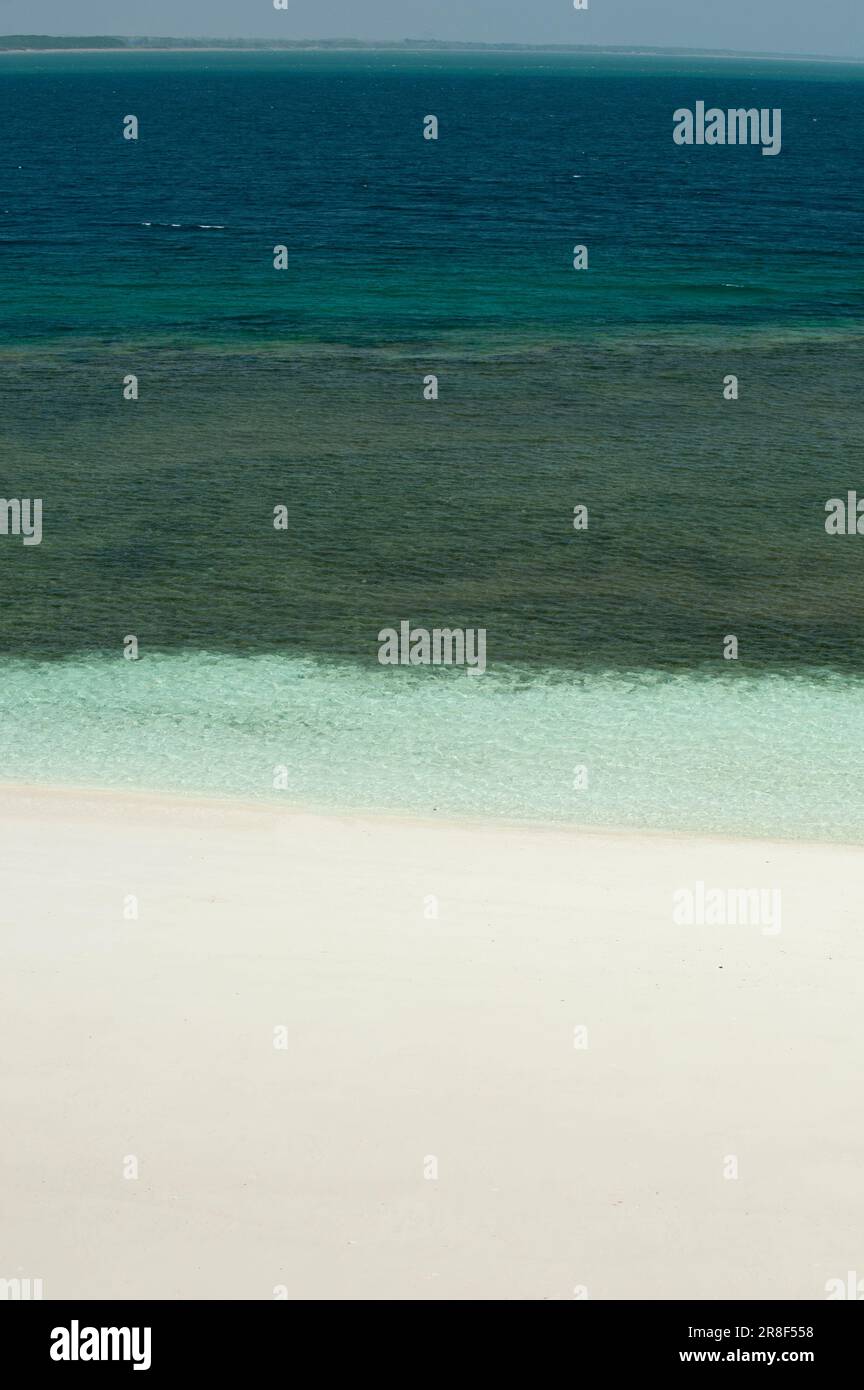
(412, 1042)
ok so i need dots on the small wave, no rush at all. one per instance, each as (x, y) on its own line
(198, 226)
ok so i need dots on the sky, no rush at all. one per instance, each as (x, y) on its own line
(833, 27)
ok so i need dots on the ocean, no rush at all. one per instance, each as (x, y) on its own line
(607, 699)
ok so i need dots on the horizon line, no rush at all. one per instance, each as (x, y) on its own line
(452, 45)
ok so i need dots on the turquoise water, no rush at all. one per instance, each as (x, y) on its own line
(258, 648)
(760, 755)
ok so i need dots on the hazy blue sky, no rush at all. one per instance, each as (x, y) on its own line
(791, 26)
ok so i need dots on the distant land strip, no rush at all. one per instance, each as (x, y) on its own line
(17, 43)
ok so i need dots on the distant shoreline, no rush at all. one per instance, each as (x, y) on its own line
(431, 49)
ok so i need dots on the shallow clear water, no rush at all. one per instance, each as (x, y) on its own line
(754, 755)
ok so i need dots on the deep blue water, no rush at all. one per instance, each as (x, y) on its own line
(396, 239)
